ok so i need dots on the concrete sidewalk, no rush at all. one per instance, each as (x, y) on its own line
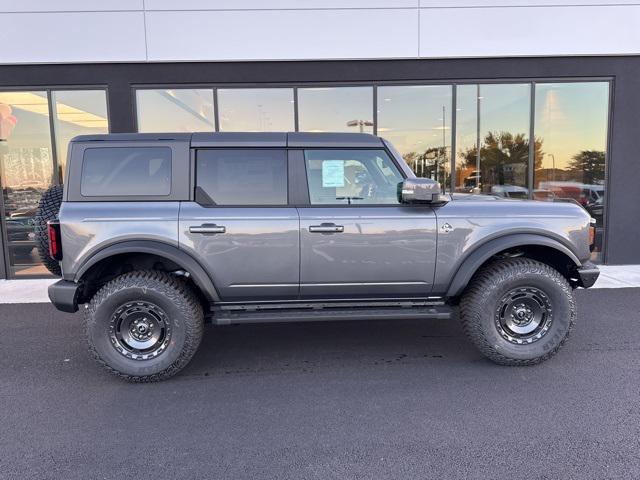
(35, 291)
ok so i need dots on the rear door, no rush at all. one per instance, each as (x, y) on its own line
(357, 239)
(240, 227)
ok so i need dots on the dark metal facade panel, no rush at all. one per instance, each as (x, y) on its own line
(623, 174)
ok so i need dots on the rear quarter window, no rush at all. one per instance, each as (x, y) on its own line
(126, 171)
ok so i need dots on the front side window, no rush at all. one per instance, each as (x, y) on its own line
(243, 177)
(126, 171)
(358, 177)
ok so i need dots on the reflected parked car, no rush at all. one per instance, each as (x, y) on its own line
(510, 191)
(20, 225)
(589, 196)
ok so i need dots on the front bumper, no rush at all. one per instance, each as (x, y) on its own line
(587, 275)
(64, 295)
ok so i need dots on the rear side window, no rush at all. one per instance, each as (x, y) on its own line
(126, 171)
(243, 177)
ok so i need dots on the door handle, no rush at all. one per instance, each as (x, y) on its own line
(208, 228)
(326, 228)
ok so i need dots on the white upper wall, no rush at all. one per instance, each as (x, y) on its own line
(61, 31)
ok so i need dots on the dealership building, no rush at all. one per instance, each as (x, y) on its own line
(536, 99)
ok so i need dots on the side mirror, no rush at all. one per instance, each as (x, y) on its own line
(421, 190)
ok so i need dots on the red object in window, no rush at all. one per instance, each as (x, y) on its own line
(55, 246)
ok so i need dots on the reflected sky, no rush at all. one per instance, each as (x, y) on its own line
(571, 117)
(411, 117)
(339, 109)
(175, 110)
(256, 110)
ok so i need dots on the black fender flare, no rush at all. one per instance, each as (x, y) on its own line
(170, 252)
(482, 253)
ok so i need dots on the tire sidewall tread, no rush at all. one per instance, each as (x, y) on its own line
(48, 209)
(173, 296)
(478, 304)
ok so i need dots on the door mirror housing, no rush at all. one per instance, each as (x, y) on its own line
(421, 190)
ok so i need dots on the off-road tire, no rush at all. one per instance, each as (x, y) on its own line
(173, 296)
(482, 298)
(48, 209)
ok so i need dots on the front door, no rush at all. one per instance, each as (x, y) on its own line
(356, 239)
(241, 228)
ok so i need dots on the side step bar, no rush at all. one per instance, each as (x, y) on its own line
(225, 315)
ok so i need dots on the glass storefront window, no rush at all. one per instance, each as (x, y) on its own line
(175, 110)
(571, 125)
(335, 109)
(77, 112)
(416, 119)
(26, 170)
(256, 110)
(493, 139)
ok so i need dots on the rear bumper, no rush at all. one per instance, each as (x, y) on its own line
(64, 295)
(587, 275)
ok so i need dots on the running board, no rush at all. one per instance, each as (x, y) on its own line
(224, 315)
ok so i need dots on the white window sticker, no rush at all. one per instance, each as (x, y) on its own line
(333, 173)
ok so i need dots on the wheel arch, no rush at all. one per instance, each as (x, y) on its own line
(539, 247)
(142, 254)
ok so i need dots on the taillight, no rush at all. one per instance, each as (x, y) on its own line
(55, 245)
(592, 233)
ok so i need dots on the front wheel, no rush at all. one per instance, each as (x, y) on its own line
(518, 311)
(144, 326)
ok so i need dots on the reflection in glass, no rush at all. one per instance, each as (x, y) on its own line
(336, 109)
(357, 177)
(256, 109)
(417, 121)
(493, 139)
(175, 110)
(571, 121)
(77, 112)
(26, 170)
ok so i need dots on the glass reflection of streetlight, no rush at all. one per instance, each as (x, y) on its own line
(553, 158)
(360, 123)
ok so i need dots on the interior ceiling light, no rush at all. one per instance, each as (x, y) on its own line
(34, 103)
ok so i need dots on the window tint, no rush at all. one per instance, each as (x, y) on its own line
(243, 177)
(127, 171)
(352, 177)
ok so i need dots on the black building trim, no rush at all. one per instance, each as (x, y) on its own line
(623, 176)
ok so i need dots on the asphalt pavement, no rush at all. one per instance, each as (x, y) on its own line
(349, 400)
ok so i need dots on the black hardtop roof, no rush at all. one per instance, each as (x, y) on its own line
(246, 139)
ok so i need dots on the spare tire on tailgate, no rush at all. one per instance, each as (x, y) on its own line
(48, 209)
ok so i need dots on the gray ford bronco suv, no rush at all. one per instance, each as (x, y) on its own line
(157, 233)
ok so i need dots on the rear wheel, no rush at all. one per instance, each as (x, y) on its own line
(518, 311)
(144, 326)
(48, 209)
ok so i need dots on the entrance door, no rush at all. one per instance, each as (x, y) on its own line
(356, 239)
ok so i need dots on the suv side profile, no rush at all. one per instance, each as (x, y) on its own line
(157, 233)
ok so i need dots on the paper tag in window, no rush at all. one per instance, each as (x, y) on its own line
(333, 173)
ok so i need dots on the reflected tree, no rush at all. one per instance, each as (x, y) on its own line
(589, 164)
(503, 158)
